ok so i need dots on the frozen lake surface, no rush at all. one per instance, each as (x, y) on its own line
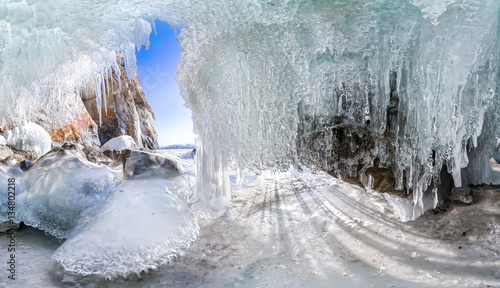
(305, 230)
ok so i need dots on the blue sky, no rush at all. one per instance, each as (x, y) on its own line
(157, 67)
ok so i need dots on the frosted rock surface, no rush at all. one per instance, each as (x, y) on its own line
(59, 188)
(30, 137)
(119, 143)
(141, 164)
(348, 60)
(144, 224)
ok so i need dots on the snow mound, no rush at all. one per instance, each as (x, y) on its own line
(30, 137)
(141, 226)
(144, 165)
(119, 143)
(59, 188)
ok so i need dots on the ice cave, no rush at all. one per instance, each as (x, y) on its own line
(340, 143)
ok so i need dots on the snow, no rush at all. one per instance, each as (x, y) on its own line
(119, 242)
(61, 187)
(287, 229)
(3, 141)
(30, 137)
(119, 143)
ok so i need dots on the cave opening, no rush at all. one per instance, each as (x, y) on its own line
(157, 67)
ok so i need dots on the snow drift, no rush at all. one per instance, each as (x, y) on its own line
(268, 81)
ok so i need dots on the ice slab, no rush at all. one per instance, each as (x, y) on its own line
(59, 188)
(144, 224)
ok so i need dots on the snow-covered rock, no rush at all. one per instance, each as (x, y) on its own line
(119, 143)
(59, 188)
(30, 137)
(141, 226)
(3, 141)
(140, 164)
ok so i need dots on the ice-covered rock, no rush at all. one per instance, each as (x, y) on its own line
(59, 188)
(119, 143)
(140, 164)
(96, 156)
(144, 224)
(5, 151)
(30, 137)
(69, 147)
(461, 194)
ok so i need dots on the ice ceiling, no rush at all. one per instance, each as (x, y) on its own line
(260, 75)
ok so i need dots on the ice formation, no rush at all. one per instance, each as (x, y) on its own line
(144, 224)
(7, 171)
(119, 143)
(30, 137)
(59, 188)
(267, 81)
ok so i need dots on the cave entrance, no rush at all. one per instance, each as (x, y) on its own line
(157, 67)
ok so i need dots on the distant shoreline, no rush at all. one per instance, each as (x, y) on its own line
(179, 146)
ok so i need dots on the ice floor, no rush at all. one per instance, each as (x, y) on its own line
(306, 230)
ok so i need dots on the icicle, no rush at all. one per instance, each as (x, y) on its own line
(153, 25)
(97, 92)
(105, 90)
(126, 62)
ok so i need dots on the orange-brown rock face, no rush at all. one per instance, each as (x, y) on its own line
(126, 110)
(68, 122)
(73, 130)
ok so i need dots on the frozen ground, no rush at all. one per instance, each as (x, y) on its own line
(306, 230)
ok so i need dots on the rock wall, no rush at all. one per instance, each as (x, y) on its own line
(75, 117)
(124, 111)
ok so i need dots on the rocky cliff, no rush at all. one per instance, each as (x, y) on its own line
(75, 118)
(125, 111)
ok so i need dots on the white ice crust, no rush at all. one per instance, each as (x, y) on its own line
(119, 143)
(29, 137)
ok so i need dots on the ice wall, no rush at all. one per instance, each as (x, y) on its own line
(260, 75)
